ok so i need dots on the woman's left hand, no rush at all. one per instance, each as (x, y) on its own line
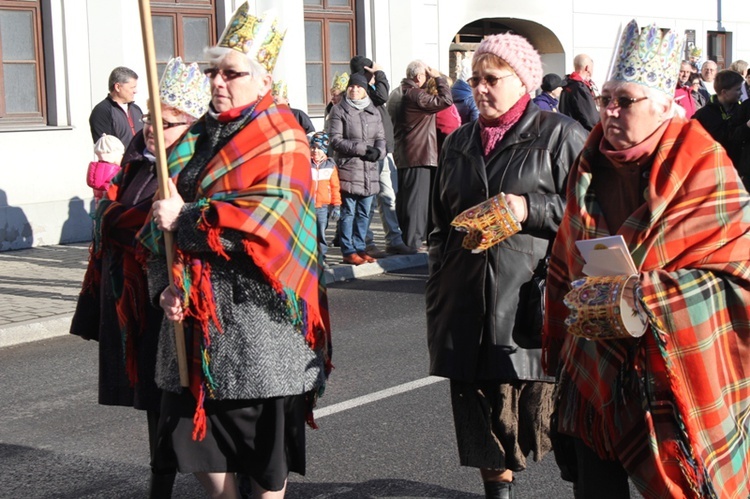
(166, 211)
(517, 205)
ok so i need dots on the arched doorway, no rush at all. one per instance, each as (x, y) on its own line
(542, 38)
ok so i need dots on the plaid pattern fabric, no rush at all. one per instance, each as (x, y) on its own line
(260, 184)
(674, 406)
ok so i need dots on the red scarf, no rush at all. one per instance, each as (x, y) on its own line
(492, 131)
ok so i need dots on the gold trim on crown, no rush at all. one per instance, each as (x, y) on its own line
(648, 57)
(258, 37)
(185, 88)
(486, 224)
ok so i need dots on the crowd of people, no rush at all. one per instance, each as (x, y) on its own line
(539, 167)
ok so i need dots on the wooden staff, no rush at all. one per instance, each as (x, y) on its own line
(161, 166)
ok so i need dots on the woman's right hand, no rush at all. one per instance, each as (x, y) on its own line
(172, 304)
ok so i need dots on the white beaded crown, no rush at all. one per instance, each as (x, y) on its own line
(185, 88)
(648, 57)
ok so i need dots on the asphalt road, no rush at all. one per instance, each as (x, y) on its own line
(385, 427)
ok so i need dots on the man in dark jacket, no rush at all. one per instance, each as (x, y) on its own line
(415, 152)
(577, 98)
(721, 117)
(117, 114)
(377, 90)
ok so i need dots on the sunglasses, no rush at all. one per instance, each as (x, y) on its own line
(489, 80)
(146, 120)
(603, 101)
(226, 74)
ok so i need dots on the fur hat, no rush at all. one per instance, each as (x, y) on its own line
(358, 79)
(518, 53)
(358, 63)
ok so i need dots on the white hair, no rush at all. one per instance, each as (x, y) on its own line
(658, 101)
(216, 54)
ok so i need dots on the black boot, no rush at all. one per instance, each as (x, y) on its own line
(161, 485)
(498, 490)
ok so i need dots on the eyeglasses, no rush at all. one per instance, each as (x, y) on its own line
(603, 101)
(146, 120)
(489, 80)
(226, 74)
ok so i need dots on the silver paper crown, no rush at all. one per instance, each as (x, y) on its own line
(185, 88)
(648, 57)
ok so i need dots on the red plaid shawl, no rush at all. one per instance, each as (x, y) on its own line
(259, 184)
(673, 407)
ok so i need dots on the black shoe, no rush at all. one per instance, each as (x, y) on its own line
(498, 490)
(400, 249)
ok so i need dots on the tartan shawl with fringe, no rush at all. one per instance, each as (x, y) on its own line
(674, 406)
(260, 184)
(115, 228)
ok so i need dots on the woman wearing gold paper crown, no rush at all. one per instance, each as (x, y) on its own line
(113, 307)
(507, 167)
(246, 279)
(669, 408)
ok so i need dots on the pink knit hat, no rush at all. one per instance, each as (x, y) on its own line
(518, 53)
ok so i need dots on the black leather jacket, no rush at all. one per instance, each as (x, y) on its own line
(472, 298)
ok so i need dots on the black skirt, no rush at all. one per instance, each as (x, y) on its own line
(263, 438)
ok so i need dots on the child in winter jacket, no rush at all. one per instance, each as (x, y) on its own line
(327, 193)
(109, 150)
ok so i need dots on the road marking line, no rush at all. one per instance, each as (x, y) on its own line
(373, 397)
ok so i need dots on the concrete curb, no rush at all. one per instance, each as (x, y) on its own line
(42, 329)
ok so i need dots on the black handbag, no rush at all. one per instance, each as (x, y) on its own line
(527, 332)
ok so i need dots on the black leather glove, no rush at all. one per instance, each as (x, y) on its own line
(372, 154)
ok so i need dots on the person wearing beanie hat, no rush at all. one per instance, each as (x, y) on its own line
(577, 97)
(662, 405)
(357, 142)
(327, 189)
(518, 156)
(360, 64)
(114, 305)
(378, 90)
(551, 89)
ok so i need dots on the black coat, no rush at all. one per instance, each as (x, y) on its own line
(472, 298)
(108, 117)
(577, 102)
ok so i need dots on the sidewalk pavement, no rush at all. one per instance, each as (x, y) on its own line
(39, 286)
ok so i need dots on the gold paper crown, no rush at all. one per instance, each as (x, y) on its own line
(696, 52)
(340, 81)
(487, 224)
(185, 88)
(599, 311)
(258, 37)
(648, 57)
(279, 89)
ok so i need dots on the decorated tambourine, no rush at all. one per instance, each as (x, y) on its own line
(605, 308)
(486, 224)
